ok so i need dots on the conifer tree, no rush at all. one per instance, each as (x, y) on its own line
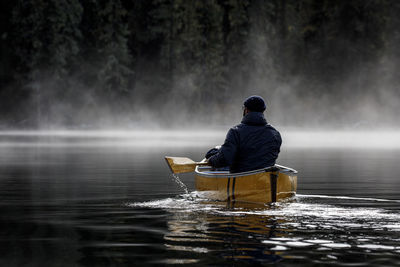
(47, 35)
(263, 46)
(237, 54)
(112, 46)
(46, 38)
(163, 29)
(214, 84)
(193, 48)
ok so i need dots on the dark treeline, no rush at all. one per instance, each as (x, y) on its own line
(117, 62)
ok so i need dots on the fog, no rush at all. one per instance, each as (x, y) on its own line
(200, 138)
(319, 67)
(290, 104)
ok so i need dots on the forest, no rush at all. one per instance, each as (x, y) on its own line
(136, 63)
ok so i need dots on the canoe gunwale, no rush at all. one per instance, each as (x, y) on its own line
(200, 170)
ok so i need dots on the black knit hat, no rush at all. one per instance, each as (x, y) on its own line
(255, 103)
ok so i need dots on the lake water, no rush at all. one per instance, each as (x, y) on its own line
(107, 199)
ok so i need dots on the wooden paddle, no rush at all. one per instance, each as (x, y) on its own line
(181, 165)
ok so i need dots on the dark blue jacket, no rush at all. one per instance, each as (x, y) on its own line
(251, 145)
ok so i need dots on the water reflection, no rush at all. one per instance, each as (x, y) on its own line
(199, 226)
(302, 229)
(229, 237)
(89, 199)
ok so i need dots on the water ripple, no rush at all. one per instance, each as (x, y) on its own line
(300, 224)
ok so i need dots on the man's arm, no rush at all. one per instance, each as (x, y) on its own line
(227, 152)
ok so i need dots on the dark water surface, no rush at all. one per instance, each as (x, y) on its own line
(104, 200)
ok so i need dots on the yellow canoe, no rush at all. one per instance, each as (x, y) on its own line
(266, 185)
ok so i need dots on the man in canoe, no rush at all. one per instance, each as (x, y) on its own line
(253, 144)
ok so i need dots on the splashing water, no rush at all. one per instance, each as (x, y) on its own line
(177, 180)
(302, 212)
(330, 229)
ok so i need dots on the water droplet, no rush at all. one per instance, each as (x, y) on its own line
(177, 180)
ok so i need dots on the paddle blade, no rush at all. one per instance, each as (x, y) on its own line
(181, 164)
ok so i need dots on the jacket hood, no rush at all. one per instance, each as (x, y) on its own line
(254, 118)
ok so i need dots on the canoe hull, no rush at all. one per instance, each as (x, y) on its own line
(260, 186)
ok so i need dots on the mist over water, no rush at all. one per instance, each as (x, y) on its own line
(318, 65)
(292, 138)
(96, 198)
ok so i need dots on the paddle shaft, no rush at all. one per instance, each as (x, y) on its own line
(202, 164)
(181, 165)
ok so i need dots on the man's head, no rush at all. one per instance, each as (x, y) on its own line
(254, 103)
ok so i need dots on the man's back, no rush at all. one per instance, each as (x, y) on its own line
(251, 145)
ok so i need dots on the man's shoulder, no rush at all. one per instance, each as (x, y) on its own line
(234, 132)
(235, 127)
(246, 126)
(274, 131)
(272, 128)
(243, 128)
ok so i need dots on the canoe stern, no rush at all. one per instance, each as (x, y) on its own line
(264, 186)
